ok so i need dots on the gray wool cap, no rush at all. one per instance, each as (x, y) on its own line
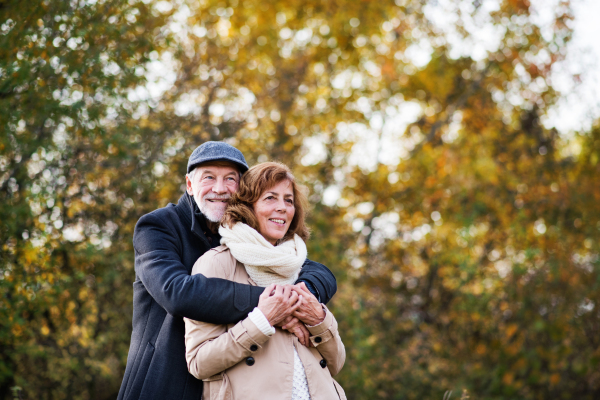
(213, 151)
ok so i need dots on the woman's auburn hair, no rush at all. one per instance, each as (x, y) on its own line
(253, 184)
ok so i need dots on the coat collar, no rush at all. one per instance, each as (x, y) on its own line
(192, 214)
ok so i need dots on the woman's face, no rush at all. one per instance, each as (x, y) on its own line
(275, 210)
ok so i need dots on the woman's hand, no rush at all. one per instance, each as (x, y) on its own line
(294, 326)
(278, 302)
(311, 311)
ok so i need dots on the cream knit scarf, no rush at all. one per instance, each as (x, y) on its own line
(265, 263)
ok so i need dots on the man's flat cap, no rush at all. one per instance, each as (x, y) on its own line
(217, 151)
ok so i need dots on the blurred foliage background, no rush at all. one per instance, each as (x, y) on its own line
(463, 229)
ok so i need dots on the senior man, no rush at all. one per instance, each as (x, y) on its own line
(167, 243)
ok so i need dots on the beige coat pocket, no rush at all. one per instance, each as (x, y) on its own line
(217, 387)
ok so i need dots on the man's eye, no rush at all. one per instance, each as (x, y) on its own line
(208, 177)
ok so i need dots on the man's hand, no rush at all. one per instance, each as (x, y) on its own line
(278, 302)
(295, 326)
(311, 311)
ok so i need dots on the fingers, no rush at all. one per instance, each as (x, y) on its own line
(303, 335)
(287, 290)
(284, 322)
(299, 314)
(278, 290)
(297, 305)
(299, 330)
(278, 302)
(310, 315)
(267, 292)
(302, 286)
(306, 334)
(292, 299)
(300, 335)
(269, 289)
(302, 289)
(289, 322)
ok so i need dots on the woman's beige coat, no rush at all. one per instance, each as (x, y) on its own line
(240, 362)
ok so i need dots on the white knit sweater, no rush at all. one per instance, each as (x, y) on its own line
(267, 264)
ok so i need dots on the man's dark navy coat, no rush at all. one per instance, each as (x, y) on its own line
(167, 243)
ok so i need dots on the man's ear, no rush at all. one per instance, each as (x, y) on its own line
(188, 185)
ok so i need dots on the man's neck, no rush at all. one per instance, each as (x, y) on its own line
(212, 226)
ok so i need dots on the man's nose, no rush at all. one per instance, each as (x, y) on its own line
(219, 186)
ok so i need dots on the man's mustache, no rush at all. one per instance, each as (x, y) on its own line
(214, 196)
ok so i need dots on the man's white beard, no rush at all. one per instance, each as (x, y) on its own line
(212, 211)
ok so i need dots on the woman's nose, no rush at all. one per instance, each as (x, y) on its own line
(281, 206)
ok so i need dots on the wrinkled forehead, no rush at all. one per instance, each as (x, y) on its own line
(225, 165)
(283, 186)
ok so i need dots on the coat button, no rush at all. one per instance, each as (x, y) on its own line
(318, 339)
(250, 361)
(323, 363)
(253, 347)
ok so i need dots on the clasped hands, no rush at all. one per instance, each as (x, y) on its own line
(291, 307)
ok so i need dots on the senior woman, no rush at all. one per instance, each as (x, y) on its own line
(263, 233)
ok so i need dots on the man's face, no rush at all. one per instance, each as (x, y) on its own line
(212, 186)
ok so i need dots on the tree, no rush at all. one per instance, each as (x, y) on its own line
(462, 228)
(70, 172)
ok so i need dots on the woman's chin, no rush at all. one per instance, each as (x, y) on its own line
(273, 238)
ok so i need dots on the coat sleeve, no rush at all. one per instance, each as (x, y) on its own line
(326, 339)
(210, 348)
(159, 267)
(320, 278)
